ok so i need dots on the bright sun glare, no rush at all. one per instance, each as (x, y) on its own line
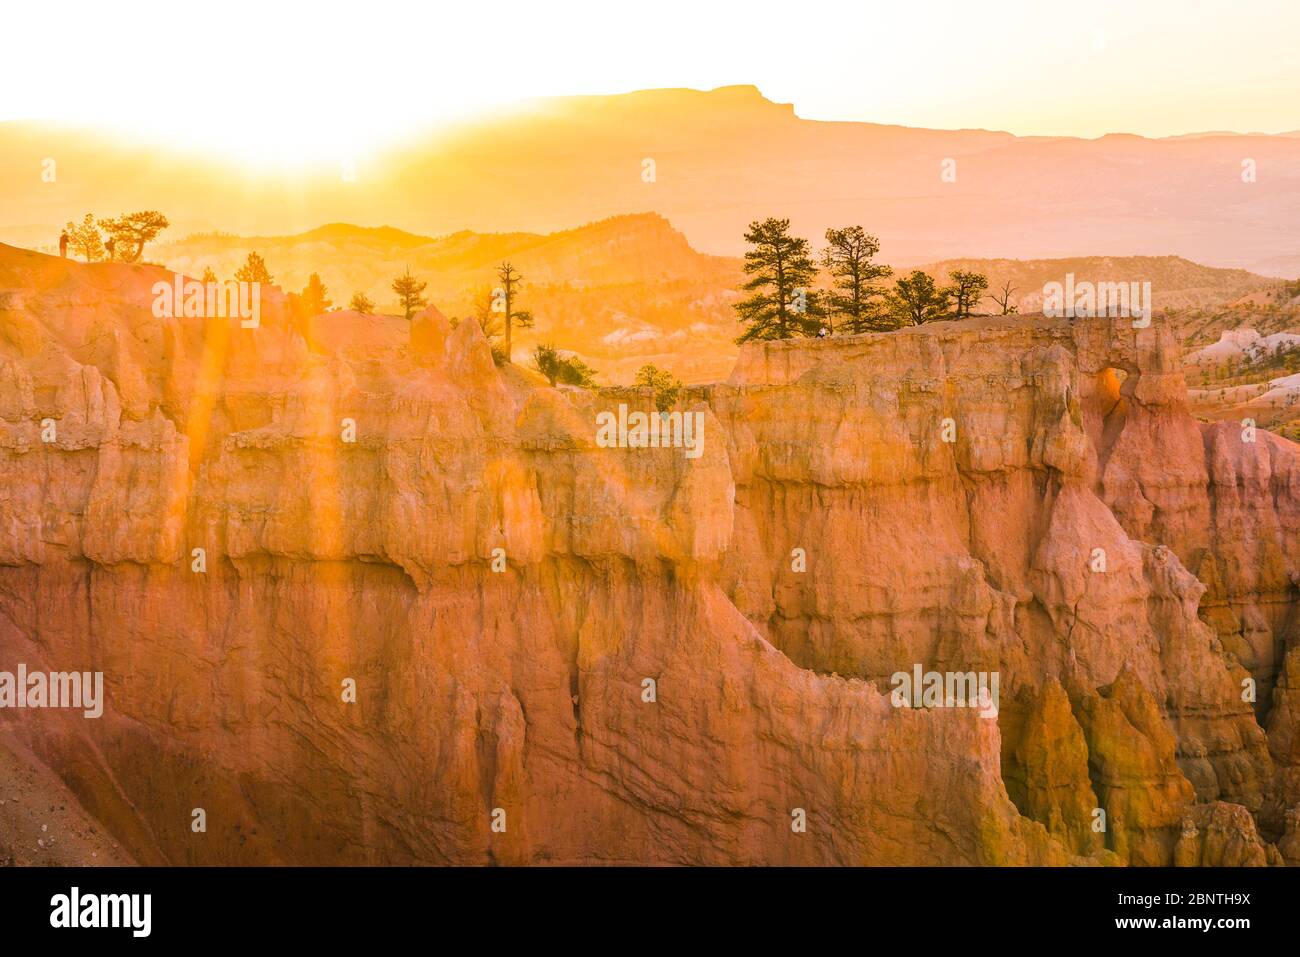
(297, 115)
(293, 84)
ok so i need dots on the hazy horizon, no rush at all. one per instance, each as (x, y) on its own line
(345, 83)
(435, 128)
(571, 434)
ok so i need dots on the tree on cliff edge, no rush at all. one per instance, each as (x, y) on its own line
(1003, 299)
(253, 270)
(856, 299)
(558, 367)
(915, 300)
(315, 298)
(783, 303)
(409, 290)
(664, 386)
(85, 239)
(966, 291)
(133, 230)
(503, 303)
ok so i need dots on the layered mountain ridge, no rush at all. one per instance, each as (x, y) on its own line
(712, 162)
(628, 290)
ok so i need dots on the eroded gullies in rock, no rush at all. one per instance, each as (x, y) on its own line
(982, 497)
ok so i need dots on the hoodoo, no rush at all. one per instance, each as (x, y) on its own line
(521, 691)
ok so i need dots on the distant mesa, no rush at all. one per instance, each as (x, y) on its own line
(723, 157)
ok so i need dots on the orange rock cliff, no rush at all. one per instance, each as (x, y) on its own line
(433, 621)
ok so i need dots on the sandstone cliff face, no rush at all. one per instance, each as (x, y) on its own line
(647, 678)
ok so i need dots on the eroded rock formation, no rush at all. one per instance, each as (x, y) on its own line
(640, 573)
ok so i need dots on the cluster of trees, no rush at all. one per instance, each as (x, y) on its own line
(314, 298)
(121, 239)
(312, 301)
(253, 270)
(1287, 291)
(1257, 364)
(664, 386)
(496, 310)
(498, 314)
(561, 368)
(783, 301)
(916, 299)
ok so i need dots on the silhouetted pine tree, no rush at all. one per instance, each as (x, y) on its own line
(315, 299)
(504, 304)
(966, 291)
(783, 304)
(408, 290)
(915, 300)
(253, 270)
(857, 303)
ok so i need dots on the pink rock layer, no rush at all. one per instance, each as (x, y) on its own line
(681, 658)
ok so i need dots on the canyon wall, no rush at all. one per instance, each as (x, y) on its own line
(362, 597)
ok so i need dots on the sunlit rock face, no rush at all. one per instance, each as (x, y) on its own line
(362, 597)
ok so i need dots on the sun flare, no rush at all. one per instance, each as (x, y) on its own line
(579, 433)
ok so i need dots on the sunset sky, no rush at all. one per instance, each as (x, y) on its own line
(227, 75)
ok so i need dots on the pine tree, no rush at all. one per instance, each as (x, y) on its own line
(966, 291)
(315, 298)
(664, 386)
(781, 272)
(856, 302)
(408, 290)
(915, 300)
(85, 239)
(557, 367)
(253, 270)
(504, 303)
(134, 230)
(361, 303)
